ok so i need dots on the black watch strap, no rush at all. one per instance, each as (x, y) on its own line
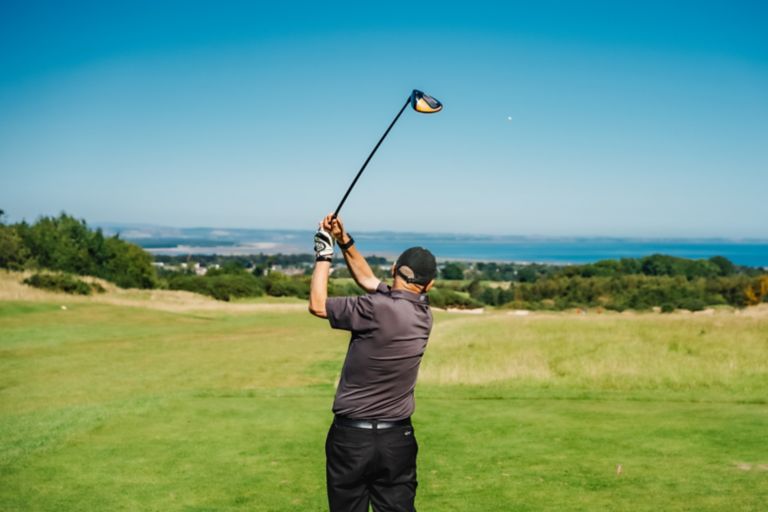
(347, 245)
(324, 258)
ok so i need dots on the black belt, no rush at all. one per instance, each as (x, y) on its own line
(370, 424)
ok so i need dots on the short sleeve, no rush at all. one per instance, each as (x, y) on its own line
(350, 313)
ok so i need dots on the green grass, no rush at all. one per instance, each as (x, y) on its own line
(115, 408)
(267, 299)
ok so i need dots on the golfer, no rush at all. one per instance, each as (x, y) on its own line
(371, 448)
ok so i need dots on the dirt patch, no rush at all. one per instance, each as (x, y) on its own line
(759, 311)
(476, 311)
(749, 466)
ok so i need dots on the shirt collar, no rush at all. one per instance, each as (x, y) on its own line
(418, 298)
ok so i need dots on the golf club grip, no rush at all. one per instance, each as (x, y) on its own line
(360, 172)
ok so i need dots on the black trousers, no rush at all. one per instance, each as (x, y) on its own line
(367, 466)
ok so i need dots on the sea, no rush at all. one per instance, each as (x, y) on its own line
(551, 250)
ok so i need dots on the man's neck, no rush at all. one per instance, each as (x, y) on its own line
(399, 284)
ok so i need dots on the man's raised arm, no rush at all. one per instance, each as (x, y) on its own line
(318, 290)
(358, 267)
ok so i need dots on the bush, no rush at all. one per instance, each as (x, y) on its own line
(13, 253)
(220, 287)
(343, 289)
(62, 283)
(453, 271)
(280, 285)
(226, 286)
(620, 292)
(444, 298)
(692, 304)
(66, 244)
(127, 265)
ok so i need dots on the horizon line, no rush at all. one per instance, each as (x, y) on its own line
(720, 238)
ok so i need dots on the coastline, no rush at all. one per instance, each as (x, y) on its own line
(566, 250)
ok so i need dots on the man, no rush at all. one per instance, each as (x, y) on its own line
(371, 448)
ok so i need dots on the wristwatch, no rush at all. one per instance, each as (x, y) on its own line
(347, 245)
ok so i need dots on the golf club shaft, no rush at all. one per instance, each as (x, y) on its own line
(338, 208)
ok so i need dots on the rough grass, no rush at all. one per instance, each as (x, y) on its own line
(599, 352)
(108, 407)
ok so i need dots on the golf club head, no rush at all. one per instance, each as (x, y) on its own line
(425, 103)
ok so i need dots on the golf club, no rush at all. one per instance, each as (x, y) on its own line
(420, 102)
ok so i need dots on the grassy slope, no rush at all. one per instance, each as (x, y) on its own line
(104, 407)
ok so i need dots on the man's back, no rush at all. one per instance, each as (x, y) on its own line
(389, 329)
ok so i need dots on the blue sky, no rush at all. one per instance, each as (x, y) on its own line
(561, 118)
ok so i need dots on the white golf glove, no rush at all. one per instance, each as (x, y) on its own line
(323, 246)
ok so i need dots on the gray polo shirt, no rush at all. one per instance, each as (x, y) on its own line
(389, 329)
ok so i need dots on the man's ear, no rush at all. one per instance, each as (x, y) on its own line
(429, 286)
(394, 272)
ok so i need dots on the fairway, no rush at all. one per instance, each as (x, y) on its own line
(108, 406)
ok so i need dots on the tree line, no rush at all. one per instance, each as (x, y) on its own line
(67, 244)
(653, 265)
(657, 280)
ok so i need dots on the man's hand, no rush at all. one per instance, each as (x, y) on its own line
(323, 245)
(358, 267)
(335, 227)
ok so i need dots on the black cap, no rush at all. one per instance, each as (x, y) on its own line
(417, 265)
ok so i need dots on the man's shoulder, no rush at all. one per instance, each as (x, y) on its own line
(399, 299)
